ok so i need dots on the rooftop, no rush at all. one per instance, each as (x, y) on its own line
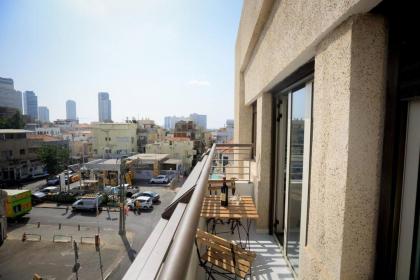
(10, 131)
(44, 138)
(158, 157)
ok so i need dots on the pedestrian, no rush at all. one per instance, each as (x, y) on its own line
(67, 209)
(138, 207)
(135, 208)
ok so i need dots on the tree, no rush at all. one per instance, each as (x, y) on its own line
(15, 121)
(55, 158)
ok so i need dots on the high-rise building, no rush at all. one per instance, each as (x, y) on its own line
(167, 123)
(71, 110)
(30, 104)
(200, 120)
(43, 114)
(104, 107)
(9, 97)
(171, 121)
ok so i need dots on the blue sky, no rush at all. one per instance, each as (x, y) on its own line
(154, 57)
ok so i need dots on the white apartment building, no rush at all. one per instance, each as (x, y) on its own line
(182, 149)
(113, 140)
(51, 131)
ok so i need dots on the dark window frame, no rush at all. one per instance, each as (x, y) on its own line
(254, 130)
(299, 77)
(400, 18)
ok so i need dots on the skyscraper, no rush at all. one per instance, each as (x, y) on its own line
(9, 97)
(200, 120)
(104, 107)
(43, 114)
(71, 110)
(30, 104)
(171, 121)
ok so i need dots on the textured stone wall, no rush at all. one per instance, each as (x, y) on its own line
(348, 115)
(291, 33)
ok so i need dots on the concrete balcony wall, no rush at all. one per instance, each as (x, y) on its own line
(348, 117)
(277, 37)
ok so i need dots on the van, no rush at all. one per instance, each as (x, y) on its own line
(88, 203)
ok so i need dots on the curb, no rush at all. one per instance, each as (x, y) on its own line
(64, 208)
(49, 207)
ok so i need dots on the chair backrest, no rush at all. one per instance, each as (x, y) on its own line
(223, 246)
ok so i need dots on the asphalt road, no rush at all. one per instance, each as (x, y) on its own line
(116, 258)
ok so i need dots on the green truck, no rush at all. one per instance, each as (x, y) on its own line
(18, 203)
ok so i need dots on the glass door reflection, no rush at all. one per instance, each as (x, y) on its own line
(297, 131)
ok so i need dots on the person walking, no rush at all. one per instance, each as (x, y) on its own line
(135, 207)
(138, 207)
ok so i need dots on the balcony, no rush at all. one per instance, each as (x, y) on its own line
(170, 251)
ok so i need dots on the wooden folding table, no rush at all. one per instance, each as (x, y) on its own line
(242, 208)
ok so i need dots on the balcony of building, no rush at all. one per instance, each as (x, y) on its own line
(171, 252)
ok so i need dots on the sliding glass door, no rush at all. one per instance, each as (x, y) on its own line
(408, 259)
(293, 136)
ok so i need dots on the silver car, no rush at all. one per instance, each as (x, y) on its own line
(161, 179)
(145, 202)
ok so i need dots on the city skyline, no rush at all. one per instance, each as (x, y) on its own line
(158, 64)
(71, 110)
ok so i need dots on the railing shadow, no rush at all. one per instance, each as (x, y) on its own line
(131, 253)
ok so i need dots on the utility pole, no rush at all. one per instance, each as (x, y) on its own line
(122, 197)
(98, 249)
(76, 258)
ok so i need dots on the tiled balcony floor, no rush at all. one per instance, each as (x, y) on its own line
(269, 263)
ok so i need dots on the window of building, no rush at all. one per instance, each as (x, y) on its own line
(22, 151)
(254, 129)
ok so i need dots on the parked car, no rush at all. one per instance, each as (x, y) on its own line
(53, 181)
(146, 202)
(88, 203)
(160, 179)
(48, 190)
(38, 197)
(154, 195)
(129, 190)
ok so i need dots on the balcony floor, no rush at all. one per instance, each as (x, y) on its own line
(269, 263)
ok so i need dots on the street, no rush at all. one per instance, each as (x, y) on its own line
(55, 260)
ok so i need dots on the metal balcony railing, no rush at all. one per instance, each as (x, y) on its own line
(167, 253)
(231, 161)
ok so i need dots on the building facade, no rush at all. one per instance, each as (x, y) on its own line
(225, 134)
(9, 97)
(113, 140)
(327, 94)
(104, 107)
(43, 114)
(200, 120)
(172, 120)
(147, 133)
(18, 155)
(51, 131)
(182, 149)
(71, 110)
(30, 105)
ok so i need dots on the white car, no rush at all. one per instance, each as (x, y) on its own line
(161, 179)
(48, 190)
(145, 202)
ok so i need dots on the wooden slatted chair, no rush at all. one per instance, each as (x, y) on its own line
(223, 257)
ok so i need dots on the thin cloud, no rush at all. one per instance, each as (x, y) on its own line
(198, 83)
